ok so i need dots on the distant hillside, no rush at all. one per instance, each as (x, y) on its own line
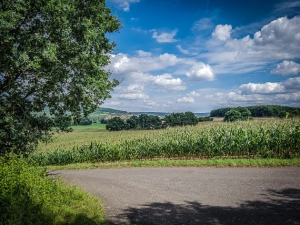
(163, 114)
(109, 111)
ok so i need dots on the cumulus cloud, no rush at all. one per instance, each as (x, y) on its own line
(280, 93)
(277, 40)
(135, 88)
(132, 92)
(287, 68)
(133, 96)
(293, 97)
(165, 37)
(151, 103)
(186, 100)
(112, 103)
(144, 62)
(266, 88)
(124, 4)
(222, 32)
(193, 93)
(169, 82)
(200, 72)
(142, 53)
(290, 85)
(280, 31)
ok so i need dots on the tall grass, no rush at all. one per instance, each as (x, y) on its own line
(276, 138)
(28, 196)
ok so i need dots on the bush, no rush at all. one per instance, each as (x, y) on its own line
(232, 115)
(239, 113)
(115, 124)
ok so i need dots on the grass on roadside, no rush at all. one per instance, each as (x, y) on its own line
(29, 196)
(215, 162)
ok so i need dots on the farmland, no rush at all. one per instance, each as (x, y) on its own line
(249, 139)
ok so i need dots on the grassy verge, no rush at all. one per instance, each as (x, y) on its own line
(215, 162)
(29, 196)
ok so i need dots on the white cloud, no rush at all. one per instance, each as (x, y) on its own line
(287, 68)
(193, 93)
(182, 50)
(290, 85)
(133, 96)
(151, 103)
(142, 53)
(135, 88)
(144, 62)
(169, 82)
(293, 97)
(287, 5)
(222, 32)
(266, 88)
(201, 71)
(189, 98)
(165, 37)
(124, 4)
(280, 32)
(112, 103)
(186, 100)
(277, 40)
(132, 92)
(202, 24)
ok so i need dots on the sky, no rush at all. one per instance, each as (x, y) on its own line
(200, 55)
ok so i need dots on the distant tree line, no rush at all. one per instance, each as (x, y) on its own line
(149, 122)
(262, 111)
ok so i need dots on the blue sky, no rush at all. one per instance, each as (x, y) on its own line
(199, 55)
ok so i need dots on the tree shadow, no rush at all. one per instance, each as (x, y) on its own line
(280, 207)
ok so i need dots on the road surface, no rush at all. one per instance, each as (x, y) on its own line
(194, 195)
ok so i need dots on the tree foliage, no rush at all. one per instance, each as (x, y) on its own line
(150, 122)
(115, 124)
(232, 115)
(239, 113)
(181, 119)
(52, 55)
(141, 122)
(261, 111)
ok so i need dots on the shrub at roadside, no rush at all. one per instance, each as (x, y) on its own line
(28, 196)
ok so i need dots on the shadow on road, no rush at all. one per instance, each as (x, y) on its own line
(281, 207)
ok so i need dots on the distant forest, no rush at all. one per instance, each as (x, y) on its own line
(262, 111)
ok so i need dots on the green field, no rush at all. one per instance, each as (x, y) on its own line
(31, 197)
(249, 139)
(86, 128)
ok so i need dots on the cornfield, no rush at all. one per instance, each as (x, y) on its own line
(251, 139)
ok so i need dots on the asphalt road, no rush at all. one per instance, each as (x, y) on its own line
(194, 195)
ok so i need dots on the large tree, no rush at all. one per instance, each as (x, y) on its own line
(52, 54)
